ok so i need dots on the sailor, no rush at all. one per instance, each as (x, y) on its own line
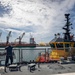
(9, 54)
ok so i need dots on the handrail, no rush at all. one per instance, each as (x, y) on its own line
(19, 52)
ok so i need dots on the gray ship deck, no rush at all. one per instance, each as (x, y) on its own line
(45, 69)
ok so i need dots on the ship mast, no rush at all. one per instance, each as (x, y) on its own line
(67, 29)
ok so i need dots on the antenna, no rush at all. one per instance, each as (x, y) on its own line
(67, 28)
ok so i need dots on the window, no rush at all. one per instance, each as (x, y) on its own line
(67, 45)
(52, 45)
(74, 44)
(60, 45)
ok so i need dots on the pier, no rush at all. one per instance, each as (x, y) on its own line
(46, 68)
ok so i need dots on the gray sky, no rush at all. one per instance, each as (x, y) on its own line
(41, 18)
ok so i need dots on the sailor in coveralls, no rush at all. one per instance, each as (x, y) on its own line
(9, 55)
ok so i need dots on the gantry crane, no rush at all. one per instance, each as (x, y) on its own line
(8, 36)
(20, 37)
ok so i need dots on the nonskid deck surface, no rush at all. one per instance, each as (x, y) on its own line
(45, 69)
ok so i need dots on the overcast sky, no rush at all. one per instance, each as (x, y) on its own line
(41, 18)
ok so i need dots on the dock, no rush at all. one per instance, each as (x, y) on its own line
(44, 69)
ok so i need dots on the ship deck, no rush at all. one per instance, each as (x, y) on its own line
(45, 69)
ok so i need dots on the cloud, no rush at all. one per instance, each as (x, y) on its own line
(42, 18)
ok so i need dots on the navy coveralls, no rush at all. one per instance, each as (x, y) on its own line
(9, 55)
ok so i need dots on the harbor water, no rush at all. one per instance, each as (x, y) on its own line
(26, 54)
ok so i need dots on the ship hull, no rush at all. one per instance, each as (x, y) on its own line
(18, 45)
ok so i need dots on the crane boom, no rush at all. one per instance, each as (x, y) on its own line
(8, 36)
(20, 37)
(0, 35)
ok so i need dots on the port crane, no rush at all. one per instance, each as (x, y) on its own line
(8, 36)
(0, 34)
(20, 37)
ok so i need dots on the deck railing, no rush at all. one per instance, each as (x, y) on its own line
(27, 54)
(23, 54)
